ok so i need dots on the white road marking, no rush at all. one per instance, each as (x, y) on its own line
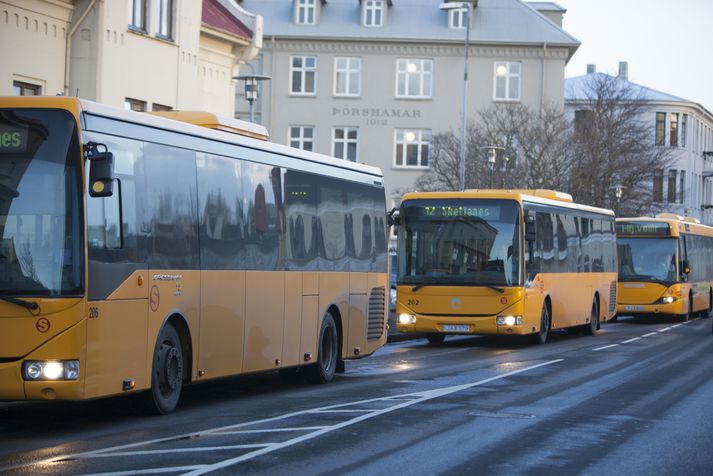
(650, 334)
(605, 347)
(664, 329)
(630, 340)
(187, 449)
(175, 469)
(269, 430)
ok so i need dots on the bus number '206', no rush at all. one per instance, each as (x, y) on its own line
(93, 312)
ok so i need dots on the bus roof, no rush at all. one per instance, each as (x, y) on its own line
(77, 106)
(677, 223)
(538, 196)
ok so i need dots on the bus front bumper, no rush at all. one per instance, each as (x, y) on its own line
(486, 325)
(674, 308)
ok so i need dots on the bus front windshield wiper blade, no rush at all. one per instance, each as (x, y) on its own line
(32, 306)
(417, 287)
(500, 290)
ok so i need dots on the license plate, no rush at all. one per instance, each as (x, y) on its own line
(634, 308)
(455, 328)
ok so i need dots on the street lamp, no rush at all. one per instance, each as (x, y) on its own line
(251, 89)
(468, 6)
(618, 193)
(492, 156)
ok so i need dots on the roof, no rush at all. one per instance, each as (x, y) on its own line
(495, 21)
(547, 7)
(217, 16)
(576, 89)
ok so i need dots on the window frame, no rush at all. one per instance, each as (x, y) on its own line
(302, 138)
(25, 86)
(419, 142)
(303, 8)
(461, 14)
(370, 11)
(345, 141)
(508, 77)
(423, 76)
(166, 8)
(304, 71)
(131, 104)
(660, 129)
(347, 72)
(138, 9)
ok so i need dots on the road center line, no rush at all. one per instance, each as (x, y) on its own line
(650, 334)
(630, 340)
(664, 329)
(605, 347)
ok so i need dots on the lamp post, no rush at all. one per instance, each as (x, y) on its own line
(468, 7)
(618, 192)
(251, 89)
(492, 156)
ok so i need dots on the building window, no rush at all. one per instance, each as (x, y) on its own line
(507, 81)
(345, 143)
(303, 71)
(137, 15)
(658, 185)
(160, 107)
(660, 128)
(165, 19)
(413, 148)
(302, 137)
(414, 78)
(673, 132)
(20, 88)
(373, 13)
(682, 187)
(582, 121)
(347, 76)
(134, 105)
(671, 197)
(684, 129)
(457, 18)
(306, 12)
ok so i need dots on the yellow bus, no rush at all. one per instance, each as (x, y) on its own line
(665, 266)
(140, 253)
(505, 262)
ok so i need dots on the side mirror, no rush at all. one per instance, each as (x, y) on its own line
(530, 230)
(685, 267)
(393, 217)
(101, 170)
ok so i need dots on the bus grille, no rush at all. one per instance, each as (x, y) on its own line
(612, 297)
(377, 305)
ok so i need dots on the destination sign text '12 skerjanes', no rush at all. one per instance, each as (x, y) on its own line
(13, 139)
(642, 228)
(463, 211)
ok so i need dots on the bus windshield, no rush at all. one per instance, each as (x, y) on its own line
(647, 259)
(40, 214)
(459, 242)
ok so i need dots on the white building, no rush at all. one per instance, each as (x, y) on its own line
(373, 80)
(684, 126)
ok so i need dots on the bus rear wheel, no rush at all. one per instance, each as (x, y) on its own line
(591, 328)
(327, 353)
(541, 336)
(167, 371)
(435, 338)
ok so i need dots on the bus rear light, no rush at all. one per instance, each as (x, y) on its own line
(509, 320)
(34, 370)
(407, 319)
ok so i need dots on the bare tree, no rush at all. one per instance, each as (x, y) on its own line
(613, 147)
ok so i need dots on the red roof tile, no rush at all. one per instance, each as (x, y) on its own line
(217, 16)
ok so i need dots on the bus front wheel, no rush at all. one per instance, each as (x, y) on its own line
(687, 316)
(541, 336)
(327, 353)
(167, 371)
(435, 338)
(591, 328)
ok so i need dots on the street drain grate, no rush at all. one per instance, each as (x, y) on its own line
(513, 416)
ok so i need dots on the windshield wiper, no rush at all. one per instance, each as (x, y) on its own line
(500, 290)
(417, 287)
(32, 306)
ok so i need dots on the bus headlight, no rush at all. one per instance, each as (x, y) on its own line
(668, 299)
(407, 319)
(50, 370)
(509, 320)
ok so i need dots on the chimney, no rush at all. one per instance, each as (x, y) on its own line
(591, 68)
(624, 70)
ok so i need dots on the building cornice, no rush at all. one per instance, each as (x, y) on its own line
(367, 48)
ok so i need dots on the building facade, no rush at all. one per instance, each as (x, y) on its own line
(139, 54)
(683, 126)
(373, 80)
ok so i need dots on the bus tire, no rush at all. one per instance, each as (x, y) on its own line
(327, 353)
(687, 316)
(591, 328)
(435, 338)
(166, 371)
(540, 337)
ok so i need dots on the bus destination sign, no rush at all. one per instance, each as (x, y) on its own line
(13, 139)
(488, 212)
(642, 228)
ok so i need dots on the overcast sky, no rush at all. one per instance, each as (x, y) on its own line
(668, 43)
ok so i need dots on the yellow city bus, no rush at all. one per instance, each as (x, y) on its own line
(665, 266)
(505, 262)
(142, 253)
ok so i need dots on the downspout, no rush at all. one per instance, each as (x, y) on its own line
(544, 76)
(68, 49)
(272, 72)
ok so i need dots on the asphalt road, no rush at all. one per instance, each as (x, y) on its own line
(635, 399)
